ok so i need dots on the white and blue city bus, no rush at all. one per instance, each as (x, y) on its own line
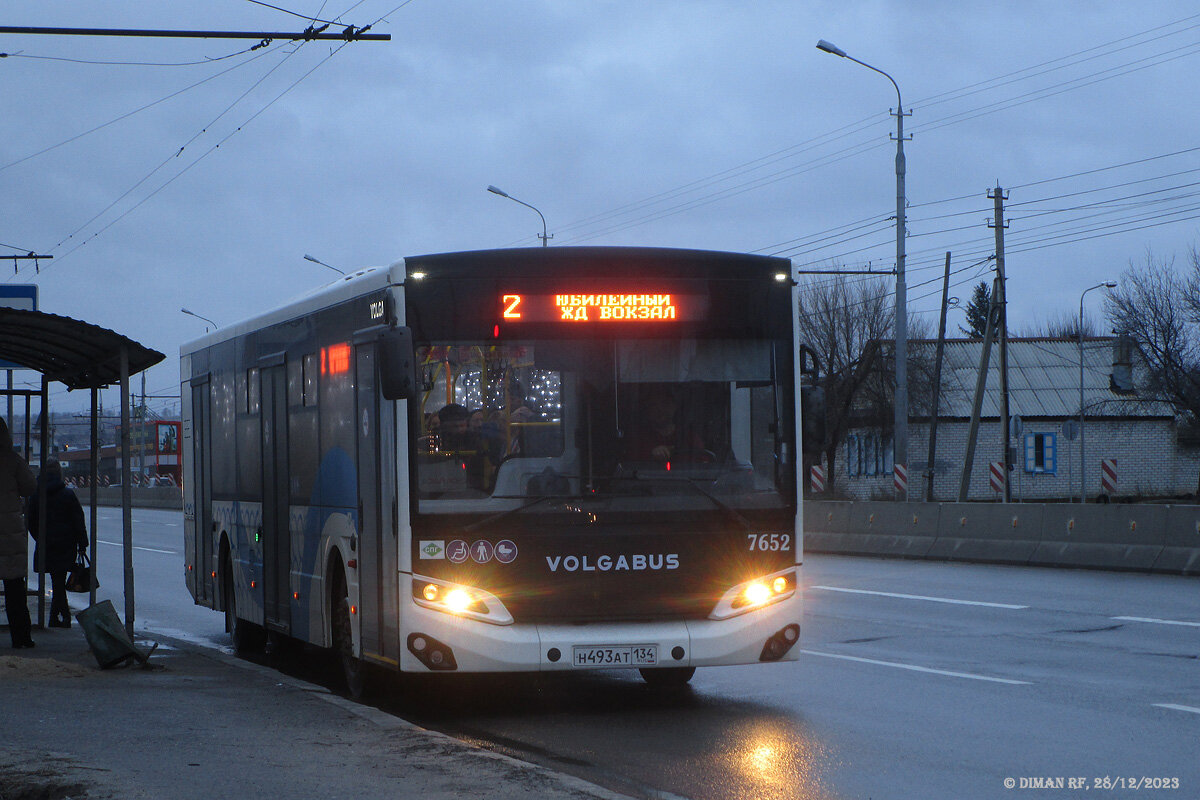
(508, 460)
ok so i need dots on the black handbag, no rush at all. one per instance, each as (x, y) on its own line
(82, 579)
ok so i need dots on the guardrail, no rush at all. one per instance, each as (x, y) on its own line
(143, 497)
(1147, 538)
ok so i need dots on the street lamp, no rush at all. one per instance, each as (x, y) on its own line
(1082, 458)
(900, 447)
(197, 316)
(543, 235)
(316, 260)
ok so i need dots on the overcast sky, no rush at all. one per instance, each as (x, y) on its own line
(681, 123)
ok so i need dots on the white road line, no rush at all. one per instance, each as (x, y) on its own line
(136, 547)
(1159, 621)
(921, 597)
(1175, 707)
(915, 668)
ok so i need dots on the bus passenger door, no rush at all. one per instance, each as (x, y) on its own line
(276, 530)
(201, 492)
(376, 613)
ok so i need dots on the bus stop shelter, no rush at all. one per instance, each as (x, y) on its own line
(78, 355)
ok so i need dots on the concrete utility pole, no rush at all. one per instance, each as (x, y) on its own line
(989, 334)
(900, 419)
(937, 382)
(999, 224)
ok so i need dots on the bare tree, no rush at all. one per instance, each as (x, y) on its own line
(1064, 325)
(1159, 308)
(843, 322)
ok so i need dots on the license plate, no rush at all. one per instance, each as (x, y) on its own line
(637, 655)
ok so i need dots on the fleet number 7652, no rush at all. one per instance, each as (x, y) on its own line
(773, 542)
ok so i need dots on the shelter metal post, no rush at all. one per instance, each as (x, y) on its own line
(126, 492)
(92, 481)
(43, 545)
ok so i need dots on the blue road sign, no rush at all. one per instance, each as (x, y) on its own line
(18, 295)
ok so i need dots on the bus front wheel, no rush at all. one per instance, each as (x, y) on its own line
(354, 671)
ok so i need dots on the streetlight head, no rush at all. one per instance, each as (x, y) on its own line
(497, 190)
(185, 311)
(307, 257)
(1110, 284)
(830, 47)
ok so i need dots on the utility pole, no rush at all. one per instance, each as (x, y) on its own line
(937, 382)
(998, 197)
(989, 334)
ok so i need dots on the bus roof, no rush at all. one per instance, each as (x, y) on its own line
(529, 261)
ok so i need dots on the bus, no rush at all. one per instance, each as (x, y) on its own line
(514, 460)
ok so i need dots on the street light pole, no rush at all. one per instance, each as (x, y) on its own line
(197, 316)
(900, 445)
(1082, 456)
(316, 260)
(543, 236)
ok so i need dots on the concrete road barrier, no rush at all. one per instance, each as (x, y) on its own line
(1152, 538)
(1104, 536)
(1181, 545)
(997, 533)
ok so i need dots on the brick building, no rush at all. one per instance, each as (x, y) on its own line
(1154, 455)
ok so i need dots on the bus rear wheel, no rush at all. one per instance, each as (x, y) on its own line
(354, 671)
(667, 677)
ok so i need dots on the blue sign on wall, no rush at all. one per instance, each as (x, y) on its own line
(23, 296)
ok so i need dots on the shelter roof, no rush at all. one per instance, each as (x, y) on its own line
(69, 351)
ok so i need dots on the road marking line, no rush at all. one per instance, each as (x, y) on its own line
(1175, 707)
(914, 668)
(921, 597)
(136, 547)
(1159, 621)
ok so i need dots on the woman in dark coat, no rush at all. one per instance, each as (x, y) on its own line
(66, 535)
(16, 482)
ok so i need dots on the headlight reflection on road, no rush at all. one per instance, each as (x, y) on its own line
(773, 759)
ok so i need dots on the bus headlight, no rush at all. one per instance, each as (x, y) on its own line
(756, 593)
(459, 600)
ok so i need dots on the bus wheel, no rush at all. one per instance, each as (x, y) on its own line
(354, 671)
(246, 636)
(668, 677)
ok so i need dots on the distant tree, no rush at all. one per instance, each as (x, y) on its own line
(850, 327)
(977, 310)
(1159, 308)
(1064, 325)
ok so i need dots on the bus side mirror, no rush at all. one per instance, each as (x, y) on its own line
(397, 376)
(812, 416)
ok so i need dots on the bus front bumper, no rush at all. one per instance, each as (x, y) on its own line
(437, 641)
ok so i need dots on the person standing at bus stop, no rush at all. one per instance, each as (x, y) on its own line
(16, 482)
(66, 534)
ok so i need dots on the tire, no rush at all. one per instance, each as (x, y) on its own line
(246, 637)
(354, 671)
(668, 677)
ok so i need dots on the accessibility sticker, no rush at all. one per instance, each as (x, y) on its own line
(482, 551)
(457, 551)
(506, 551)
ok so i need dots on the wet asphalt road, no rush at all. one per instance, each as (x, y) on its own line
(916, 680)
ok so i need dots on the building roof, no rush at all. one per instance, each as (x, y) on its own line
(1043, 376)
(69, 351)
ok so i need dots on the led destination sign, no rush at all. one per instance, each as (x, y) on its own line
(644, 307)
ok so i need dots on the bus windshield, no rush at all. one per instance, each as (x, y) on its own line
(636, 424)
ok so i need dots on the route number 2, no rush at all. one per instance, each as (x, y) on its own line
(773, 542)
